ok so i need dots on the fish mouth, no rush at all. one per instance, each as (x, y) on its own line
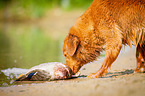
(63, 72)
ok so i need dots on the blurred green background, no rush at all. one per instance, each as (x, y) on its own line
(32, 9)
(32, 31)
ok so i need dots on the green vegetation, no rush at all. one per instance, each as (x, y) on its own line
(28, 9)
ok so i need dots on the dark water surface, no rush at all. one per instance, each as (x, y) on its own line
(23, 46)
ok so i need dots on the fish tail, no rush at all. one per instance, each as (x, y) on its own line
(24, 77)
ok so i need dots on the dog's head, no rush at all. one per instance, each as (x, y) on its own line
(70, 48)
(80, 48)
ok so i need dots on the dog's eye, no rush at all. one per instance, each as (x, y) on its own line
(65, 55)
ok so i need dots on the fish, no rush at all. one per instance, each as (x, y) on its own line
(47, 72)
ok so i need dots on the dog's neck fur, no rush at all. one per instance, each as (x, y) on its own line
(91, 44)
(90, 48)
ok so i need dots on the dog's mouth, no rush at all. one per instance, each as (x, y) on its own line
(74, 65)
(75, 69)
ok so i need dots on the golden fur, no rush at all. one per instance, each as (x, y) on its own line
(106, 25)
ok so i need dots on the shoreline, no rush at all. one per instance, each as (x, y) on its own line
(119, 81)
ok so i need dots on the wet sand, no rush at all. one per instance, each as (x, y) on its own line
(120, 81)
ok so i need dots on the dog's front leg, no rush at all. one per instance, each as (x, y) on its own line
(112, 51)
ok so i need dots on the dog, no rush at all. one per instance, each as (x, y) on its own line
(106, 25)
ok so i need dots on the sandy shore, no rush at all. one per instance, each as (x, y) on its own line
(120, 81)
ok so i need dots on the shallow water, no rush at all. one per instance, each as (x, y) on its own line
(23, 46)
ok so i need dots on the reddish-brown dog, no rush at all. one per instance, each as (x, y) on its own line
(106, 24)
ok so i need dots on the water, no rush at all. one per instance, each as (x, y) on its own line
(23, 46)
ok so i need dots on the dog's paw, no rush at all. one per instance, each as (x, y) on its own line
(139, 70)
(93, 75)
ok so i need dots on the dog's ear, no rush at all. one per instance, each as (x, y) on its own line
(72, 44)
